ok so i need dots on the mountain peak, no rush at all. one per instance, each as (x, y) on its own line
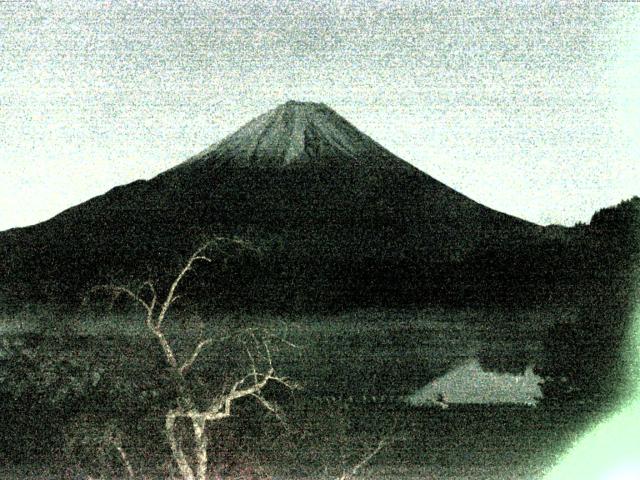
(297, 134)
(297, 105)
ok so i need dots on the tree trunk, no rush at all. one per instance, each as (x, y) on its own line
(186, 472)
(199, 424)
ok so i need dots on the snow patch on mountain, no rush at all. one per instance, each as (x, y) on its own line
(297, 134)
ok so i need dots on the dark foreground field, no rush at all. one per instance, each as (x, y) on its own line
(463, 442)
(68, 380)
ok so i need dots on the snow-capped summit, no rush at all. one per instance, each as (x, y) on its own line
(296, 134)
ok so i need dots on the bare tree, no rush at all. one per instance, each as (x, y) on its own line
(218, 407)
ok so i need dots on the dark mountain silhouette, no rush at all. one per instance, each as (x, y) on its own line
(340, 221)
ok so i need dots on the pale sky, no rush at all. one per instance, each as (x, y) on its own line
(531, 108)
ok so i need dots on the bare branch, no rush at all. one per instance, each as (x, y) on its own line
(125, 461)
(281, 339)
(238, 384)
(253, 365)
(175, 299)
(152, 305)
(166, 348)
(112, 437)
(118, 290)
(236, 392)
(354, 471)
(287, 382)
(195, 257)
(269, 406)
(266, 349)
(201, 257)
(148, 284)
(188, 364)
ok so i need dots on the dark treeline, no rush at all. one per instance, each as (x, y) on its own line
(593, 353)
(305, 273)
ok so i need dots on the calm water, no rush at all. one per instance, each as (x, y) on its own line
(344, 361)
(405, 351)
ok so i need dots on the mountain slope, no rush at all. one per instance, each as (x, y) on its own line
(340, 220)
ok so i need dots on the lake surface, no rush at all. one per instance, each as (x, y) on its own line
(356, 369)
(400, 352)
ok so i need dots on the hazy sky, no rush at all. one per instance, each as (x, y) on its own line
(530, 108)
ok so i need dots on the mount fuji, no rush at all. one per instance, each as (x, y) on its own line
(338, 218)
